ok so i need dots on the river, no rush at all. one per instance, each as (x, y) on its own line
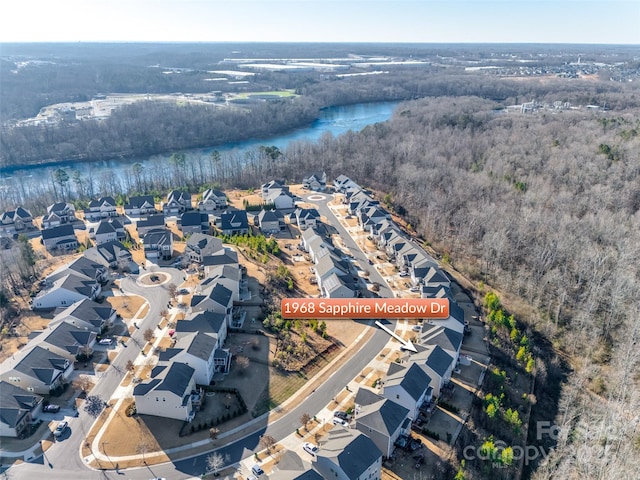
(335, 120)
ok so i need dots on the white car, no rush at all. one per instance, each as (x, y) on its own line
(341, 422)
(62, 426)
(106, 341)
(256, 470)
(309, 448)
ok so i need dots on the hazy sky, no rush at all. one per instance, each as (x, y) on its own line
(527, 21)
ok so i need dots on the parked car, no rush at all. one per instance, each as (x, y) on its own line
(309, 448)
(183, 291)
(51, 408)
(342, 415)
(62, 426)
(256, 470)
(404, 274)
(415, 289)
(417, 328)
(106, 341)
(341, 422)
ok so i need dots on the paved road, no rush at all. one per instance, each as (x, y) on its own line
(64, 457)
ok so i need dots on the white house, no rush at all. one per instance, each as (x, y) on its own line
(158, 244)
(60, 238)
(141, 205)
(169, 393)
(211, 201)
(104, 207)
(407, 385)
(65, 291)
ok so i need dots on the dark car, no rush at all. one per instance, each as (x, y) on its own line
(342, 415)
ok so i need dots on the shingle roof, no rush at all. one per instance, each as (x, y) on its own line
(352, 450)
(15, 403)
(58, 232)
(42, 364)
(412, 379)
(384, 416)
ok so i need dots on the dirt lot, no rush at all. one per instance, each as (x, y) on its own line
(126, 305)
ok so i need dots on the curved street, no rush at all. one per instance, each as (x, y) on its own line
(63, 460)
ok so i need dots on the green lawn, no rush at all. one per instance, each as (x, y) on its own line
(277, 93)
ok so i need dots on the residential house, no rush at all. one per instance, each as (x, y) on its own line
(169, 393)
(421, 269)
(194, 222)
(229, 275)
(211, 201)
(36, 370)
(87, 314)
(112, 254)
(347, 454)
(334, 286)
(140, 206)
(152, 222)
(66, 212)
(271, 186)
(344, 183)
(292, 467)
(280, 199)
(307, 237)
(211, 262)
(215, 298)
(17, 409)
(61, 238)
(105, 232)
(407, 385)
(316, 182)
(381, 419)
(65, 291)
(81, 267)
(208, 322)
(306, 218)
(51, 220)
(177, 202)
(437, 363)
(103, 207)
(66, 340)
(268, 221)
(16, 221)
(198, 350)
(449, 340)
(200, 245)
(158, 244)
(234, 223)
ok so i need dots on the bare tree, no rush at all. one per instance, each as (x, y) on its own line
(267, 442)
(215, 463)
(142, 448)
(173, 290)
(213, 433)
(227, 400)
(148, 335)
(131, 367)
(83, 383)
(243, 363)
(305, 418)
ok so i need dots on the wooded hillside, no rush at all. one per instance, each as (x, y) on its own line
(543, 207)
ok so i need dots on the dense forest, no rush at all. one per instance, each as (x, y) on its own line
(542, 207)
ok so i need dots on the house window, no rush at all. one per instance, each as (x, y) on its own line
(397, 396)
(157, 399)
(30, 389)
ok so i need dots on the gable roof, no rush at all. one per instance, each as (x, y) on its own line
(444, 337)
(205, 322)
(351, 449)
(267, 216)
(140, 201)
(42, 364)
(151, 221)
(175, 378)
(234, 220)
(199, 344)
(218, 294)
(108, 252)
(384, 416)
(204, 242)
(179, 196)
(413, 379)
(60, 231)
(15, 403)
(105, 227)
(229, 257)
(68, 337)
(193, 219)
(434, 357)
(109, 201)
(87, 311)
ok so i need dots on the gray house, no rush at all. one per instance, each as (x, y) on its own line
(36, 370)
(60, 238)
(234, 223)
(211, 201)
(17, 409)
(407, 385)
(194, 222)
(381, 419)
(348, 455)
(141, 205)
(268, 221)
